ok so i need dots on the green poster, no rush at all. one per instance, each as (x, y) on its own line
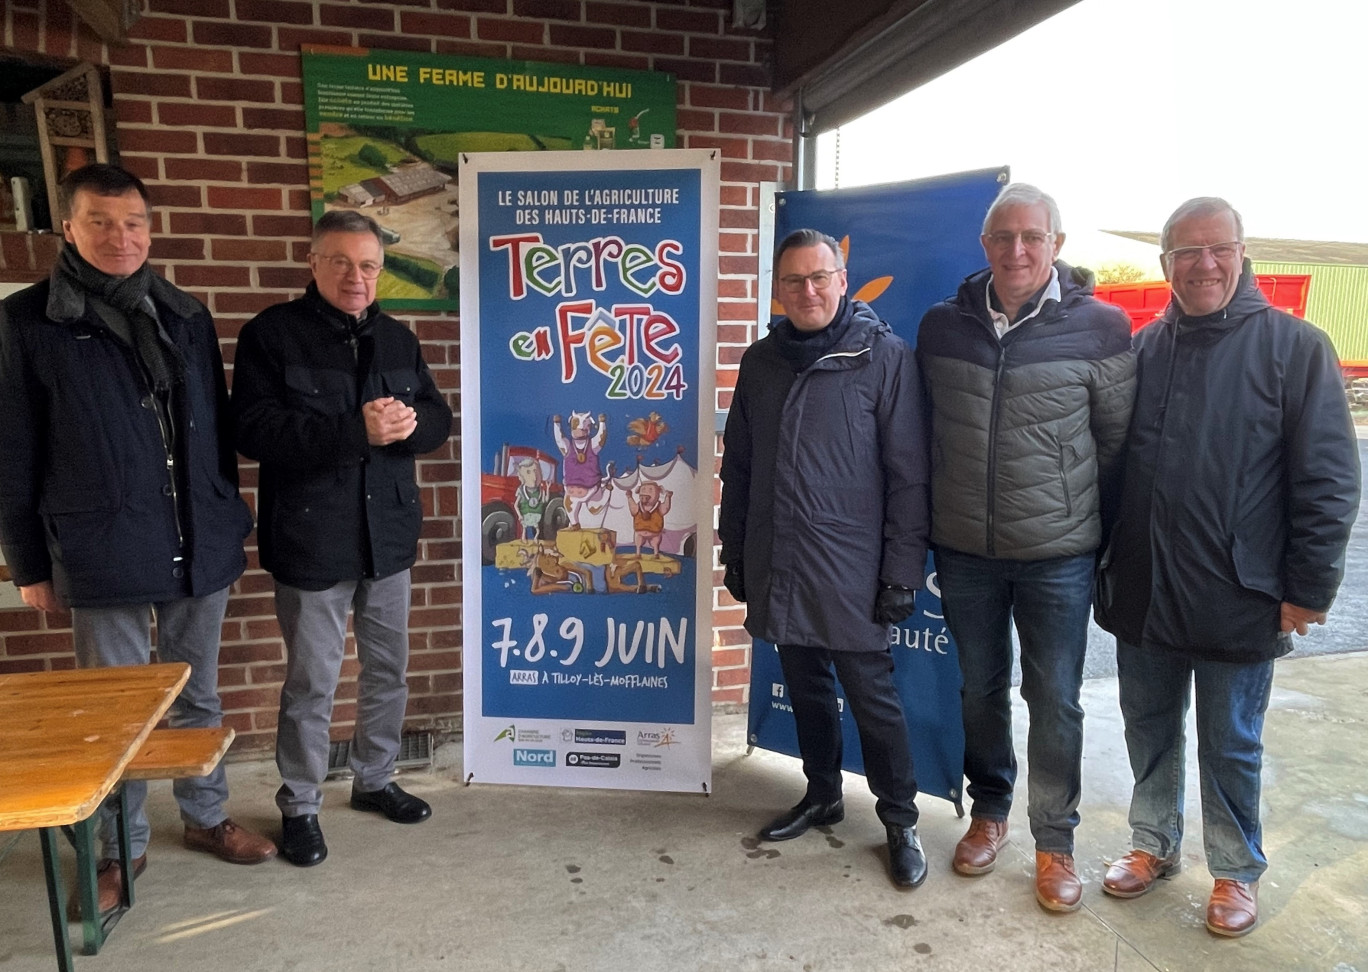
(385, 130)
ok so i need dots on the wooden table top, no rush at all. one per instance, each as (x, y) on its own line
(65, 737)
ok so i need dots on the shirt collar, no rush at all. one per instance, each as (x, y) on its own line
(1001, 323)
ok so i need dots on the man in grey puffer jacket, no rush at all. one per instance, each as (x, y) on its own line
(1031, 381)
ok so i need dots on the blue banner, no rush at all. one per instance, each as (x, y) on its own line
(907, 246)
(588, 292)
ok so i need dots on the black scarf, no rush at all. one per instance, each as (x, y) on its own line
(128, 296)
(802, 349)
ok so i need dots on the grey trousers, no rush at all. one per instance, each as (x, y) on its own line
(188, 630)
(314, 625)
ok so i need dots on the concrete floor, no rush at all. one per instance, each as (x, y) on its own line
(551, 880)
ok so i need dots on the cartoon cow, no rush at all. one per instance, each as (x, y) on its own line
(581, 472)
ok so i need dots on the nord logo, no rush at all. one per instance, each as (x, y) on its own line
(522, 676)
(534, 757)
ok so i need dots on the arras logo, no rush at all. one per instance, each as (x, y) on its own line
(665, 737)
(534, 757)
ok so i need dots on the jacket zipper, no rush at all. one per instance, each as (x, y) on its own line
(991, 486)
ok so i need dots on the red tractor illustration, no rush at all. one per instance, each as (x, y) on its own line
(500, 518)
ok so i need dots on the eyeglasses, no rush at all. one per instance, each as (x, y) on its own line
(343, 267)
(1030, 239)
(1220, 252)
(820, 280)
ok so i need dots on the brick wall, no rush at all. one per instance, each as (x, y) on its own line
(208, 110)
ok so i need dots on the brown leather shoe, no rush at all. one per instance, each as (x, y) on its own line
(1057, 884)
(231, 842)
(108, 886)
(1136, 872)
(977, 851)
(1233, 909)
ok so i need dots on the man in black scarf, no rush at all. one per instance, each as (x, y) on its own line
(118, 493)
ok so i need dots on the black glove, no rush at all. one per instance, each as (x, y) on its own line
(733, 579)
(894, 604)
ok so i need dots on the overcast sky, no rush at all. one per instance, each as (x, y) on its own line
(1121, 109)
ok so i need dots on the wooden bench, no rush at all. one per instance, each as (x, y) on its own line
(178, 753)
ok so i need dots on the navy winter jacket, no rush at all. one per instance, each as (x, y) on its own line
(824, 494)
(1241, 483)
(86, 500)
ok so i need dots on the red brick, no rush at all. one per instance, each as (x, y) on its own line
(734, 196)
(289, 38)
(249, 698)
(275, 11)
(632, 62)
(235, 89)
(288, 173)
(690, 120)
(511, 31)
(355, 16)
(212, 275)
(566, 35)
(275, 65)
(394, 42)
(745, 75)
(430, 573)
(721, 49)
(192, 59)
(198, 115)
(692, 21)
(25, 26)
(749, 123)
(547, 9)
(735, 218)
(212, 33)
(177, 197)
(291, 119)
(248, 250)
(749, 172)
(618, 14)
(474, 6)
(144, 83)
(468, 48)
(284, 278)
(776, 151)
(704, 72)
(528, 52)
(171, 248)
(203, 170)
(300, 225)
(129, 57)
(157, 140)
(133, 111)
(652, 42)
(152, 28)
(44, 643)
(706, 96)
(243, 654)
(212, 224)
(727, 676)
(249, 303)
(238, 145)
(736, 311)
(291, 93)
(440, 24)
(19, 666)
(192, 8)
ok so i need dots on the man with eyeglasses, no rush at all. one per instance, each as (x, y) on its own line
(1030, 380)
(1242, 482)
(118, 487)
(823, 527)
(334, 399)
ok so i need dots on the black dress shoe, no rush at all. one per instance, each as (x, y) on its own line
(906, 862)
(393, 802)
(796, 822)
(301, 840)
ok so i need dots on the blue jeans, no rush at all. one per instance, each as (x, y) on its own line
(1231, 701)
(1048, 600)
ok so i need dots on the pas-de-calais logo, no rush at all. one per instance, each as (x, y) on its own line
(534, 757)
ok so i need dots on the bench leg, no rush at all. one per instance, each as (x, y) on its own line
(125, 848)
(61, 939)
